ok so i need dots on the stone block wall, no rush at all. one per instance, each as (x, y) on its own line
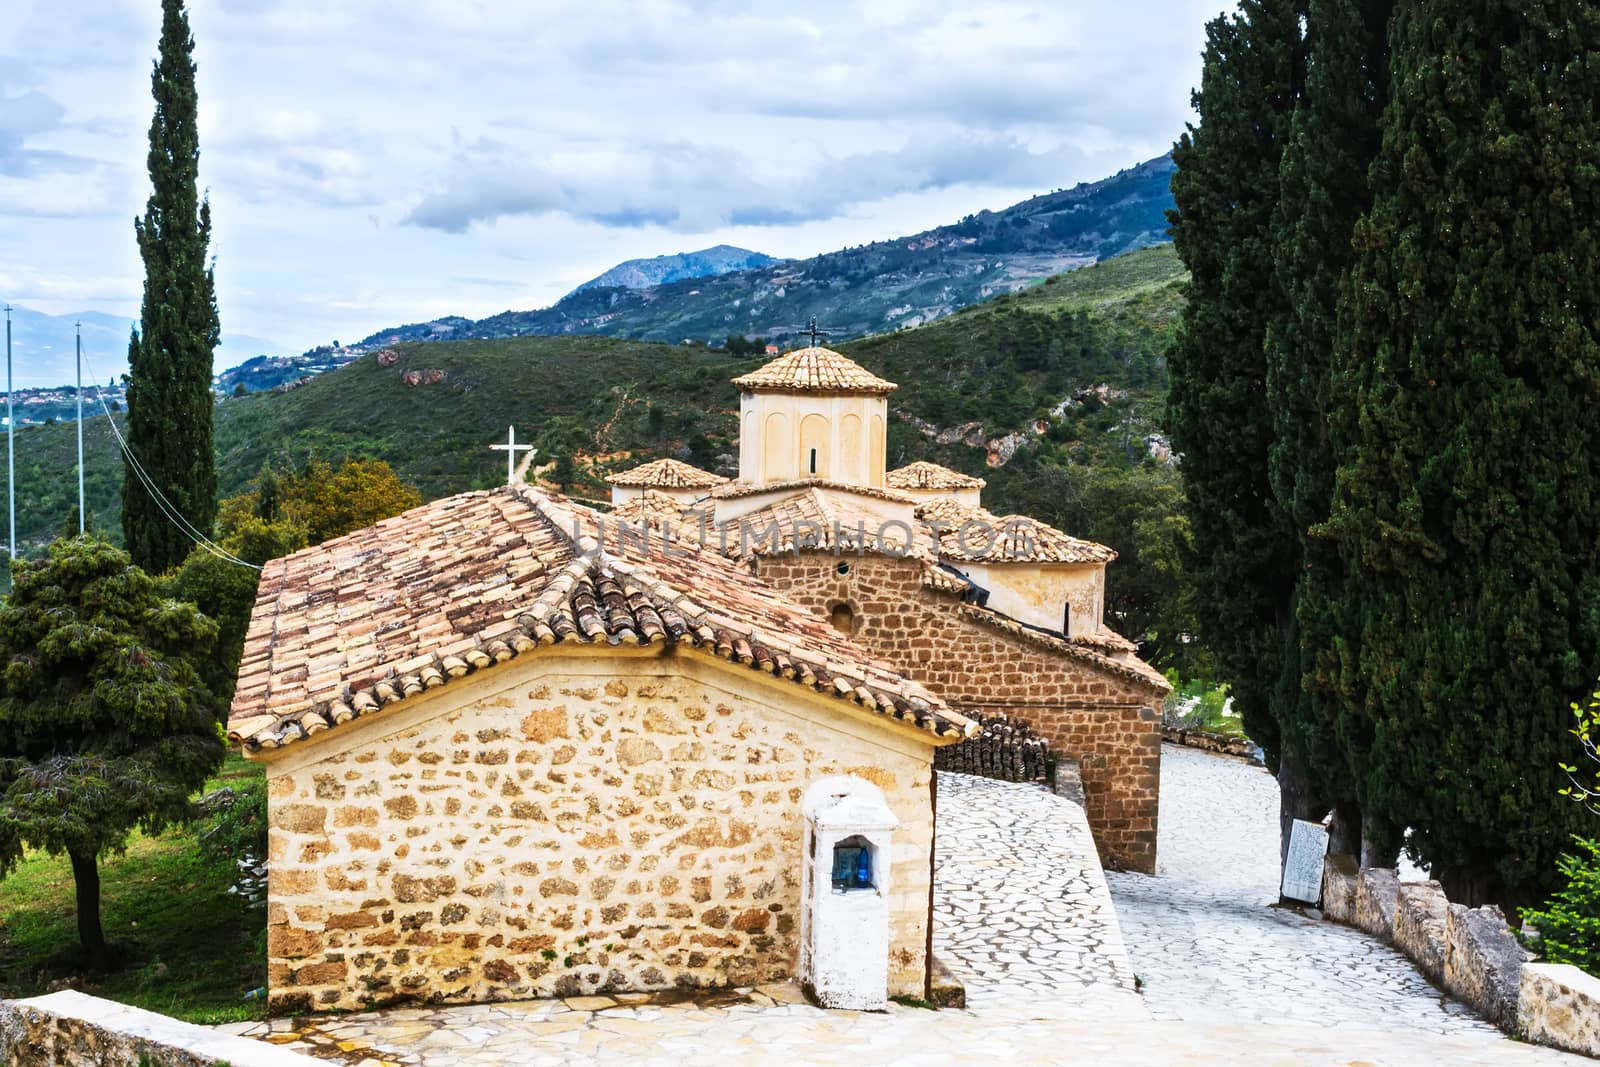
(1376, 891)
(1340, 877)
(1559, 1005)
(1471, 953)
(574, 824)
(1483, 962)
(72, 1029)
(1108, 723)
(1420, 911)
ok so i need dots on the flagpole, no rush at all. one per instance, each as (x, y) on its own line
(80, 429)
(11, 448)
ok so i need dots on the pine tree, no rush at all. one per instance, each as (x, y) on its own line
(169, 357)
(105, 723)
(1241, 557)
(1322, 192)
(1468, 505)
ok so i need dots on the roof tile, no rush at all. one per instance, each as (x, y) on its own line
(924, 476)
(560, 586)
(667, 474)
(814, 370)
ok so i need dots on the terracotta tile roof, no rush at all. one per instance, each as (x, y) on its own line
(814, 370)
(735, 490)
(667, 474)
(1106, 651)
(367, 620)
(925, 475)
(823, 523)
(941, 580)
(991, 538)
(1095, 651)
(653, 503)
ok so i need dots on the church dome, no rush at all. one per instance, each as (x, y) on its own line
(815, 370)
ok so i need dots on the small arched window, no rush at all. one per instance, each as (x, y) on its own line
(843, 619)
(813, 461)
(1066, 621)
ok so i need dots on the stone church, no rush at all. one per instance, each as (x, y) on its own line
(505, 761)
(519, 748)
(994, 614)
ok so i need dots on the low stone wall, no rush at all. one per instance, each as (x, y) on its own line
(1376, 896)
(72, 1029)
(1420, 911)
(1471, 953)
(1227, 745)
(1559, 1005)
(1340, 876)
(1483, 963)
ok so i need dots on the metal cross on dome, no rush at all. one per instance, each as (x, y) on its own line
(511, 448)
(814, 330)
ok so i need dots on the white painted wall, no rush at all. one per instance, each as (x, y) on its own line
(1036, 593)
(779, 431)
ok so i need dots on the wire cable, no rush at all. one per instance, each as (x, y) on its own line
(168, 509)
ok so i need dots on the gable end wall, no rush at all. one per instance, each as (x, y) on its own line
(569, 825)
(1110, 725)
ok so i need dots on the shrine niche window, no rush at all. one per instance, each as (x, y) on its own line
(852, 865)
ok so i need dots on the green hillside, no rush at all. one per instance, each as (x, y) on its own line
(610, 403)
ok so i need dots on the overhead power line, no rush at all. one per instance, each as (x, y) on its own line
(168, 509)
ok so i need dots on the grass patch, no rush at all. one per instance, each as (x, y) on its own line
(1200, 704)
(184, 945)
(907, 1001)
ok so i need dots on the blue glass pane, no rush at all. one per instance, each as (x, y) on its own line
(852, 867)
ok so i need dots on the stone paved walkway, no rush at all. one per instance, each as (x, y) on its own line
(1207, 945)
(1022, 909)
(1049, 995)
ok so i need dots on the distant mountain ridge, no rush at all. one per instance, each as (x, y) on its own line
(659, 270)
(869, 289)
(44, 356)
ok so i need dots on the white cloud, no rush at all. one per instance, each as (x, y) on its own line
(369, 161)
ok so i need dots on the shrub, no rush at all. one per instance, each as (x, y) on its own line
(1569, 925)
(235, 826)
(234, 835)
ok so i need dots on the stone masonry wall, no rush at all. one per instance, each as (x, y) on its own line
(1109, 725)
(567, 826)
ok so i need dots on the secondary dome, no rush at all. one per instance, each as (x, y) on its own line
(814, 370)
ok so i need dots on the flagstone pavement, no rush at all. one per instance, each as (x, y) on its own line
(1024, 918)
(1208, 942)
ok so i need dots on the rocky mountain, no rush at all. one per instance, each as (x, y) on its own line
(659, 270)
(868, 289)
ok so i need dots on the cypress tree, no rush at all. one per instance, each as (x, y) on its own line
(1322, 192)
(169, 357)
(1468, 503)
(1241, 558)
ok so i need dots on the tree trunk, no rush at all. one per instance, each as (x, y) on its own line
(1344, 832)
(1380, 845)
(1296, 800)
(86, 880)
(1475, 888)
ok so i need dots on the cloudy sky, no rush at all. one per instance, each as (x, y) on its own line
(372, 162)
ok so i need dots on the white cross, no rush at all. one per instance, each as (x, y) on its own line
(511, 448)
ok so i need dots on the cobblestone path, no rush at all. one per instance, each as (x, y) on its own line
(1207, 945)
(1022, 909)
